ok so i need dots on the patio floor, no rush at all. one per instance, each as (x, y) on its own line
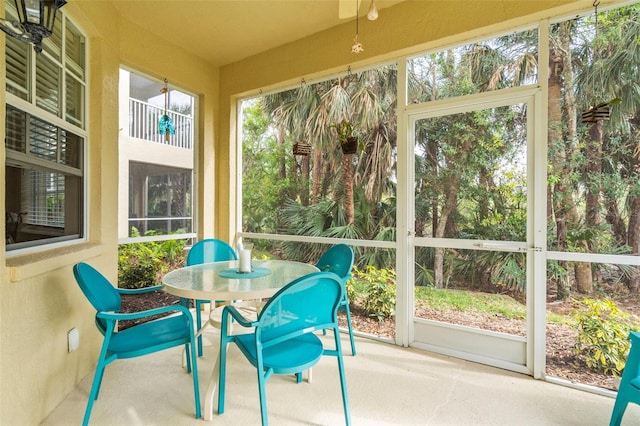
(388, 385)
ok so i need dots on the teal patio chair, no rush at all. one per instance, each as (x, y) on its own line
(629, 390)
(142, 339)
(339, 260)
(282, 340)
(205, 251)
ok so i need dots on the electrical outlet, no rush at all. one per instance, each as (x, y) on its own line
(73, 338)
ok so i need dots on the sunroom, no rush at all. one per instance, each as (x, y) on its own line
(482, 169)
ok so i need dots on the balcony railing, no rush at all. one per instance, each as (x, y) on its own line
(143, 124)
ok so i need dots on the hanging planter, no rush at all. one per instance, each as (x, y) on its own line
(596, 114)
(348, 141)
(350, 146)
(301, 148)
(599, 112)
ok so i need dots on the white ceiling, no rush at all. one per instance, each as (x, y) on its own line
(225, 31)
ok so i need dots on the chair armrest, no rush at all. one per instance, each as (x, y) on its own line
(230, 309)
(140, 290)
(143, 314)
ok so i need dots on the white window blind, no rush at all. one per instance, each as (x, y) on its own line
(42, 196)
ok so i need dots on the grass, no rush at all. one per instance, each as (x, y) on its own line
(469, 301)
(466, 301)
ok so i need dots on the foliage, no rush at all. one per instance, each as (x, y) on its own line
(344, 130)
(265, 187)
(603, 331)
(141, 264)
(352, 293)
(326, 219)
(380, 292)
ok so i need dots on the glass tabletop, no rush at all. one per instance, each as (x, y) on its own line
(205, 281)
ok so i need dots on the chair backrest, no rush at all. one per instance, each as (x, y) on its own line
(98, 290)
(338, 259)
(307, 304)
(210, 250)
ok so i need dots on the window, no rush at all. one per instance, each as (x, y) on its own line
(45, 138)
(160, 165)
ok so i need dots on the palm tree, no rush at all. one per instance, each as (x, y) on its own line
(611, 73)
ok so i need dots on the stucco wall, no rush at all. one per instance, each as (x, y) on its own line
(39, 299)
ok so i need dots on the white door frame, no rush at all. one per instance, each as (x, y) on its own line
(498, 349)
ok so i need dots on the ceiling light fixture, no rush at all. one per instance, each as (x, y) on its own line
(357, 47)
(372, 15)
(36, 19)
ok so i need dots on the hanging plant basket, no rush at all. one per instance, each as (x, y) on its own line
(350, 146)
(301, 148)
(596, 114)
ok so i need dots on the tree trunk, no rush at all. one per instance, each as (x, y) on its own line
(593, 153)
(557, 158)
(634, 240)
(448, 207)
(347, 182)
(305, 171)
(633, 232)
(614, 218)
(562, 147)
(283, 163)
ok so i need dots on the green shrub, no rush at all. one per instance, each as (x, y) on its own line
(137, 275)
(603, 332)
(142, 264)
(380, 292)
(352, 293)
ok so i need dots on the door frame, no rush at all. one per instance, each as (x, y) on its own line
(520, 354)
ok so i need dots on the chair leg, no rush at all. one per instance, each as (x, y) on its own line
(262, 392)
(222, 375)
(196, 386)
(618, 411)
(187, 357)
(93, 394)
(348, 312)
(343, 381)
(199, 304)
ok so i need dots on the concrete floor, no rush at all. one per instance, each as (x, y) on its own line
(388, 385)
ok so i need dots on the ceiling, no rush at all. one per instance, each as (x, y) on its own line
(225, 31)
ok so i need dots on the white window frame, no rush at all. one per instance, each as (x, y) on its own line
(75, 125)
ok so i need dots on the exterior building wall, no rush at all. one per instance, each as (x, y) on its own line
(139, 150)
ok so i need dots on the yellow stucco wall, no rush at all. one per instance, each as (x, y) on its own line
(39, 300)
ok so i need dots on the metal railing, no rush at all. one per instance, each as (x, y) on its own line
(143, 124)
(161, 225)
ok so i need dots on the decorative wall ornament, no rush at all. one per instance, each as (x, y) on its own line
(165, 125)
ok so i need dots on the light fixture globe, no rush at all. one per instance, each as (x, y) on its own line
(372, 15)
(36, 20)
